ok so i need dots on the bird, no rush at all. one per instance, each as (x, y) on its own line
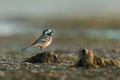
(43, 41)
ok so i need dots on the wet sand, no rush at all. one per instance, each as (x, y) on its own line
(12, 65)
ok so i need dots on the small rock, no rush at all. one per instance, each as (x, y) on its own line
(45, 57)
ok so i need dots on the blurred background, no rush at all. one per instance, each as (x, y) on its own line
(76, 23)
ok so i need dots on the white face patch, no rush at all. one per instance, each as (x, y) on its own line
(48, 31)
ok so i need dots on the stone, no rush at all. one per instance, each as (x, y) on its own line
(45, 57)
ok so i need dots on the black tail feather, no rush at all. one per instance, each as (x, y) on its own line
(26, 47)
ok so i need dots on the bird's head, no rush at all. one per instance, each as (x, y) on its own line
(47, 32)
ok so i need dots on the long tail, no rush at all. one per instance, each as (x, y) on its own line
(27, 47)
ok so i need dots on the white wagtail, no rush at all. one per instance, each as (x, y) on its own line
(43, 41)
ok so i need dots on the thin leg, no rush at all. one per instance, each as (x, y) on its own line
(47, 49)
(41, 49)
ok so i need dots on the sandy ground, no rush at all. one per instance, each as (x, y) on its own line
(13, 67)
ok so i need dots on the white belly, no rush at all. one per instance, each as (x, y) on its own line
(46, 44)
(43, 44)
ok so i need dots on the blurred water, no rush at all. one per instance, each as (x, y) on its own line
(94, 33)
(9, 29)
(97, 33)
(109, 34)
